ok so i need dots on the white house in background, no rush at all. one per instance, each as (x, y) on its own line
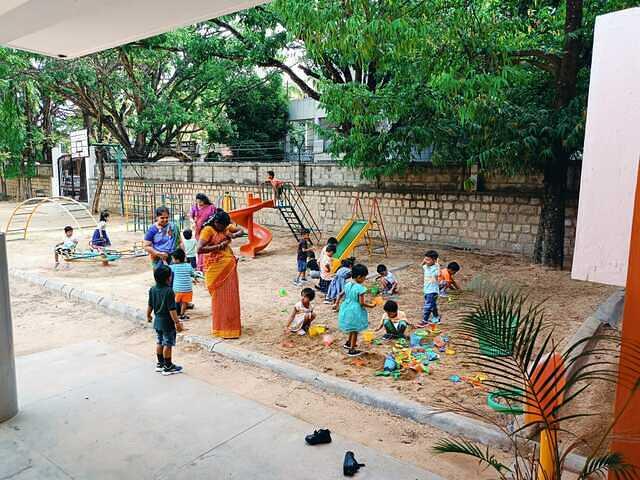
(308, 114)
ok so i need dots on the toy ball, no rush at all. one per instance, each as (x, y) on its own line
(282, 292)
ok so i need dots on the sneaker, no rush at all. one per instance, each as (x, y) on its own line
(423, 324)
(388, 336)
(302, 333)
(354, 353)
(304, 280)
(327, 302)
(435, 320)
(346, 346)
(318, 437)
(159, 367)
(171, 370)
(183, 317)
(296, 283)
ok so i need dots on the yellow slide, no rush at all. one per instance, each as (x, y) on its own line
(349, 238)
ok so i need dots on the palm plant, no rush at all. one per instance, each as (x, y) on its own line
(506, 337)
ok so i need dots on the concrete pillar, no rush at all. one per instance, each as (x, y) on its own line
(8, 392)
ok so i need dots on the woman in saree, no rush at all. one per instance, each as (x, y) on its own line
(221, 274)
(201, 211)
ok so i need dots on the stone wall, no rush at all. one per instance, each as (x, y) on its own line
(419, 177)
(35, 186)
(503, 222)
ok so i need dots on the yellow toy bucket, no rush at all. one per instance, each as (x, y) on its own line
(316, 330)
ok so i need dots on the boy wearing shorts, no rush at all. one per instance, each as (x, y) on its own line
(162, 305)
(304, 247)
(182, 284)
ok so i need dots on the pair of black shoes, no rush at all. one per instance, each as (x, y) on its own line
(350, 466)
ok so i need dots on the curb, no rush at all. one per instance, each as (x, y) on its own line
(451, 423)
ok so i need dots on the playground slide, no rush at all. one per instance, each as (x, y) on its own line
(259, 236)
(349, 238)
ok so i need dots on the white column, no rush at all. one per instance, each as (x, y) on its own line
(8, 392)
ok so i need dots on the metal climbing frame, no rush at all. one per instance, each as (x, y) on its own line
(293, 209)
(17, 227)
(140, 207)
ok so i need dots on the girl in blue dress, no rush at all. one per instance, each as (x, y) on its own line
(339, 281)
(352, 316)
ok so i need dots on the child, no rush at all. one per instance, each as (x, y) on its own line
(302, 314)
(325, 269)
(312, 265)
(276, 184)
(431, 270)
(190, 247)
(337, 284)
(394, 321)
(182, 284)
(446, 280)
(100, 239)
(386, 280)
(352, 316)
(304, 247)
(162, 304)
(67, 247)
(323, 252)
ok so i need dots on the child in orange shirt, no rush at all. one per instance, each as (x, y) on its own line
(446, 280)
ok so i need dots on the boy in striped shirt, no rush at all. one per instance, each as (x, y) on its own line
(183, 272)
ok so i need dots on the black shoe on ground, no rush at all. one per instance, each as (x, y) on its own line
(346, 346)
(171, 370)
(350, 465)
(159, 367)
(318, 437)
(354, 353)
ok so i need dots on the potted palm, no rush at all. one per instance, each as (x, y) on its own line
(506, 337)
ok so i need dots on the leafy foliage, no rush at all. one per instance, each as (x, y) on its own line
(507, 339)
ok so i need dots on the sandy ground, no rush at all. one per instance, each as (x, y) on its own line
(42, 322)
(265, 310)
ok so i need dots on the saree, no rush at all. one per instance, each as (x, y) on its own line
(201, 215)
(221, 278)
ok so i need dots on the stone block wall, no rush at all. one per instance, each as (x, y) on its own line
(35, 186)
(501, 222)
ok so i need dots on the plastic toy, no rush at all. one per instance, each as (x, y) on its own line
(368, 336)
(512, 403)
(378, 301)
(455, 378)
(327, 340)
(316, 330)
(450, 351)
(282, 292)
(390, 364)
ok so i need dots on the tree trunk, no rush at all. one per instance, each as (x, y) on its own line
(95, 205)
(549, 248)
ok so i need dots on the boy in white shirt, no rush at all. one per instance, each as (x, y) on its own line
(67, 247)
(431, 269)
(394, 321)
(386, 280)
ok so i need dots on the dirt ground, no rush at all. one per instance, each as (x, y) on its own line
(265, 309)
(42, 322)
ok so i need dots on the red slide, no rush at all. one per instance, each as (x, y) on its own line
(259, 236)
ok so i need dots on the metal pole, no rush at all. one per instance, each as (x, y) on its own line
(8, 392)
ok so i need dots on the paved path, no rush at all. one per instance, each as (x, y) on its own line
(91, 412)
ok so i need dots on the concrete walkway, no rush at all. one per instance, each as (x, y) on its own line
(91, 412)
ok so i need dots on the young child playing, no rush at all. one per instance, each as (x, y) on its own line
(162, 304)
(386, 281)
(182, 284)
(337, 284)
(190, 247)
(304, 247)
(66, 247)
(312, 265)
(276, 184)
(325, 269)
(302, 314)
(431, 289)
(446, 280)
(100, 239)
(352, 316)
(394, 321)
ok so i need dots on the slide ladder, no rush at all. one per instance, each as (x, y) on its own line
(294, 211)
